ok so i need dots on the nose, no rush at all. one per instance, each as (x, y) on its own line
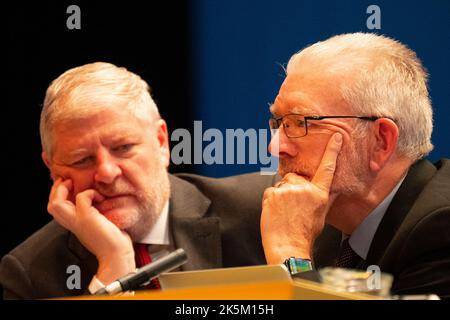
(281, 145)
(107, 168)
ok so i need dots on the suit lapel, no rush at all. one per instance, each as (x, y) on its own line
(418, 176)
(198, 235)
(327, 244)
(326, 247)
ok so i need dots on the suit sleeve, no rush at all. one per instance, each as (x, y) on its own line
(14, 279)
(426, 258)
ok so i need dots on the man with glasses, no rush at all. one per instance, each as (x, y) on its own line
(352, 124)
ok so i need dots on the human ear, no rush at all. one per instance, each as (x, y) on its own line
(384, 143)
(163, 141)
(46, 159)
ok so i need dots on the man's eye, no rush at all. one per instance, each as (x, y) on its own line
(81, 162)
(300, 123)
(123, 148)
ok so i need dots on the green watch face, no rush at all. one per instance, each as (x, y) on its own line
(297, 265)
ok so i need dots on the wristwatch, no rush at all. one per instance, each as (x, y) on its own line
(297, 265)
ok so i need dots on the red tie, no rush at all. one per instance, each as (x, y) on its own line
(142, 258)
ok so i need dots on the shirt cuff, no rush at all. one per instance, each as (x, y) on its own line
(95, 285)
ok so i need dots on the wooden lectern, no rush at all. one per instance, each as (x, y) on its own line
(243, 283)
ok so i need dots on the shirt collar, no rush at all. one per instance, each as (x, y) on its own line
(362, 236)
(159, 234)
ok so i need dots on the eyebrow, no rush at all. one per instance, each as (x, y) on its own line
(271, 107)
(303, 110)
(76, 154)
(295, 110)
(122, 137)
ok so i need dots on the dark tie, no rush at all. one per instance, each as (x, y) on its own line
(347, 258)
(142, 258)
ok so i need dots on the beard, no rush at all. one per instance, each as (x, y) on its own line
(139, 212)
(352, 168)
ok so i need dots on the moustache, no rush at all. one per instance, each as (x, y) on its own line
(297, 168)
(115, 190)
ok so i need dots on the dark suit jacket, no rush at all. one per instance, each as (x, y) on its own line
(412, 241)
(216, 221)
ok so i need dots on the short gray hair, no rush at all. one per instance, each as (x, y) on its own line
(386, 79)
(82, 91)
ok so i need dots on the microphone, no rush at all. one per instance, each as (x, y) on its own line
(142, 275)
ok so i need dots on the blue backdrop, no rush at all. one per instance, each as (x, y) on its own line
(239, 46)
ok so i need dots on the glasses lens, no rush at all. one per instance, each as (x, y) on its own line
(294, 125)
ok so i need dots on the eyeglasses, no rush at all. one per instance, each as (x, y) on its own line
(296, 126)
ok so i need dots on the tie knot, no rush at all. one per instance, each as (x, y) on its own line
(347, 258)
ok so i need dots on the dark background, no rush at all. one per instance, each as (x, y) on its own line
(210, 60)
(150, 38)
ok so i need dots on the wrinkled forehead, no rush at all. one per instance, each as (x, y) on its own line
(104, 126)
(310, 93)
(93, 118)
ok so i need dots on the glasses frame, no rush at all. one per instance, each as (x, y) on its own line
(279, 120)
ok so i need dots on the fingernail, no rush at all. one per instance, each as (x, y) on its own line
(338, 137)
